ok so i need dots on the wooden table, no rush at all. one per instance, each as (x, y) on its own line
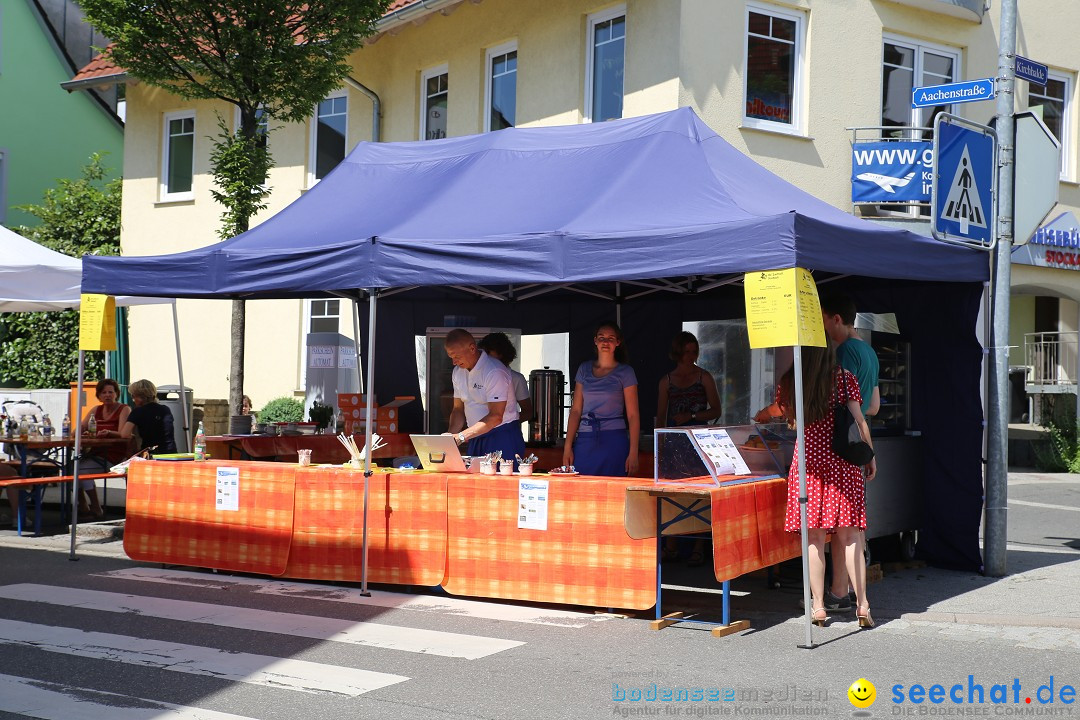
(324, 448)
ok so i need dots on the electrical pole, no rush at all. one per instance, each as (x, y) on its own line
(997, 450)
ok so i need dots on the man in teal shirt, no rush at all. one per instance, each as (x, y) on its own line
(857, 357)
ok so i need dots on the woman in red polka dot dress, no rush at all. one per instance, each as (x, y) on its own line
(835, 490)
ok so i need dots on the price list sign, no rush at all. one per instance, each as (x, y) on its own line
(782, 308)
(97, 322)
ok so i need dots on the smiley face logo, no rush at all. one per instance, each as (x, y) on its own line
(862, 693)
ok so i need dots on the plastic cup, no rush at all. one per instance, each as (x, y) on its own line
(305, 456)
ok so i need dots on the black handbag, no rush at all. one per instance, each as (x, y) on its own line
(847, 441)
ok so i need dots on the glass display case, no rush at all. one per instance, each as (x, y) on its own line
(705, 454)
(894, 384)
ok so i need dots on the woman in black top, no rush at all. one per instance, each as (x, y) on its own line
(150, 419)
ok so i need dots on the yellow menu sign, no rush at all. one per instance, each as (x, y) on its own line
(97, 322)
(782, 308)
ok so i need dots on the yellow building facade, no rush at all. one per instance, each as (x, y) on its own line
(436, 66)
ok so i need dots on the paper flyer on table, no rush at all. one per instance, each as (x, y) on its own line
(720, 449)
(532, 504)
(228, 488)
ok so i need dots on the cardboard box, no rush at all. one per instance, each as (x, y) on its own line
(351, 401)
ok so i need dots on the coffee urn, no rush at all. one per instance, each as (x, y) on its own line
(546, 425)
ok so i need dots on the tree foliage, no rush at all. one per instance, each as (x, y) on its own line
(279, 58)
(78, 217)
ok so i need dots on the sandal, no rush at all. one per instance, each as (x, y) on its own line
(819, 617)
(697, 559)
(863, 614)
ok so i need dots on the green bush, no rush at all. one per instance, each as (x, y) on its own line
(321, 415)
(282, 409)
(1062, 452)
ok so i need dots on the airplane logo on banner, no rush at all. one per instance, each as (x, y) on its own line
(886, 182)
(962, 204)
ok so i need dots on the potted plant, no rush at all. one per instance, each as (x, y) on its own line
(321, 415)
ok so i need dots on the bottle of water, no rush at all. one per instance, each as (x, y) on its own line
(46, 426)
(91, 425)
(65, 427)
(24, 428)
(200, 442)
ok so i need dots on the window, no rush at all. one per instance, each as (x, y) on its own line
(435, 91)
(605, 64)
(324, 315)
(178, 156)
(262, 121)
(501, 87)
(773, 74)
(907, 65)
(1054, 102)
(328, 136)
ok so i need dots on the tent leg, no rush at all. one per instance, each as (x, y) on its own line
(800, 435)
(356, 345)
(186, 420)
(370, 430)
(76, 427)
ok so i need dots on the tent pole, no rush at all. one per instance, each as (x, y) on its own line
(76, 427)
(186, 420)
(618, 304)
(800, 435)
(356, 347)
(370, 431)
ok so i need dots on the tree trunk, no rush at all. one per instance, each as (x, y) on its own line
(236, 365)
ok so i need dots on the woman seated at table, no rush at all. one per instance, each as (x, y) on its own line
(152, 421)
(109, 417)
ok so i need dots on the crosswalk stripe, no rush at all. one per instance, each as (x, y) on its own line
(391, 637)
(49, 701)
(299, 675)
(400, 601)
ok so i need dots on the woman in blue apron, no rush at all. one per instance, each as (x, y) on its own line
(604, 426)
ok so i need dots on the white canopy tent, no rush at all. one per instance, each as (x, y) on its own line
(34, 278)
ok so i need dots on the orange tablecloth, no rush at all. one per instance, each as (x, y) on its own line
(584, 557)
(406, 527)
(172, 516)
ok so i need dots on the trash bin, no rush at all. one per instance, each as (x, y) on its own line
(169, 396)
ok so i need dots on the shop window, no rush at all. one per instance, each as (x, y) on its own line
(907, 65)
(774, 69)
(501, 87)
(435, 90)
(328, 136)
(605, 65)
(1053, 101)
(178, 156)
(325, 316)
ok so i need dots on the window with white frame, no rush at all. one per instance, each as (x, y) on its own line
(262, 121)
(435, 95)
(906, 65)
(774, 68)
(178, 156)
(1054, 102)
(324, 316)
(328, 136)
(501, 95)
(605, 65)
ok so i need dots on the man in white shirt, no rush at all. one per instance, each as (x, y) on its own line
(482, 416)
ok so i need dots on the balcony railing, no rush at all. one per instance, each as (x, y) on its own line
(1051, 361)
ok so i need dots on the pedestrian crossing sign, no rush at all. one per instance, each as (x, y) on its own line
(963, 192)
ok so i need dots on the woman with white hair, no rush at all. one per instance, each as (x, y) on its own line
(150, 419)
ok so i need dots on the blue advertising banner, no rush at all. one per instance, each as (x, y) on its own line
(888, 172)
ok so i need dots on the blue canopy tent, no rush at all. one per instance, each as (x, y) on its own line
(659, 202)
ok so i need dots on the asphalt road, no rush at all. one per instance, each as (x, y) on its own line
(108, 638)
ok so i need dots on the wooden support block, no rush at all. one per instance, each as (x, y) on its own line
(669, 619)
(737, 626)
(873, 573)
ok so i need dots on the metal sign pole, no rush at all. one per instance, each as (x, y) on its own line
(1001, 270)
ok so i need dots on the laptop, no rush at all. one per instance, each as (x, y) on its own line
(438, 452)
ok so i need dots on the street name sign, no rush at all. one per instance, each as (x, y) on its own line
(962, 209)
(960, 92)
(1031, 71)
